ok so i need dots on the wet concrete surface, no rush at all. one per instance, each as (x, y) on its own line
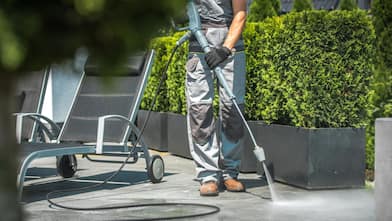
(132, 186)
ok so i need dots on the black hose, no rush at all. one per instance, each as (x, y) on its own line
(215, 209)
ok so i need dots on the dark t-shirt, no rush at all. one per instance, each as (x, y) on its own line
(215, 12)
(216, 17)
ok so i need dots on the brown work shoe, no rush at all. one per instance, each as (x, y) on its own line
(209, 189)
(234, 185)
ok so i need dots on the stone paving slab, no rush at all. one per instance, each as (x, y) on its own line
(132, 186)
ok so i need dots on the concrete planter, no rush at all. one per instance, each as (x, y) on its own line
(177, 135)
(383, 165)
(155, 134)
(320, 158)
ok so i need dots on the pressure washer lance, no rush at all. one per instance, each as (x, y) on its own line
(195, 30)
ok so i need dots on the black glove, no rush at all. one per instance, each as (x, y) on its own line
(217, 56)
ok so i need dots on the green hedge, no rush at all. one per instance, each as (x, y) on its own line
(265, 85)
(171, 96)
(302, 5)
(348, 5)
(381, 98)
(309, 69)
(262, 9)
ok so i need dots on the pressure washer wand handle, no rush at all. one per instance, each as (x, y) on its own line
(194, 27)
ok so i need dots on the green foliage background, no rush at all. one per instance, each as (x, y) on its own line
(311, 69)
(171, 97)
(302, 5)
(381, 98)
(37, 33)
(262, 9)
(348, 5)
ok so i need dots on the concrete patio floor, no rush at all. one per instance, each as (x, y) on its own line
(132, 186)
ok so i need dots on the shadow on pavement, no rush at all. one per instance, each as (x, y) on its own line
(39, 189)
(252, 183)
(34, 173)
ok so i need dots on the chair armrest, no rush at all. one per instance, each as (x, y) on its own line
(101, 130)
(37, 118)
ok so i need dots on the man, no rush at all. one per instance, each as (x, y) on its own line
(217, 153)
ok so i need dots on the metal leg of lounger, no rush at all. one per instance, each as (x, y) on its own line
(122, 152)
(101, 131)
(47, 153)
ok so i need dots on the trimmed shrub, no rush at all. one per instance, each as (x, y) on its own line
(176, 80)
(381, 98)
(310, 69)
(162, 49)
(348, 5)
(166, 100)
(276, 5)
(302, 5)
(265, 83)
(382, 14)
(262, 9)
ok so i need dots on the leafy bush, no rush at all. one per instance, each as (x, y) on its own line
(265, 84)
(310, 69)
(348, 5)
(302, 5)
(163, 47)
(382, 13)
(381, 98)
(176, 80)
(171, 96)
(276, 5)
(262, 9)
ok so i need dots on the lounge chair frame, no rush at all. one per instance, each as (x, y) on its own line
(56, 149)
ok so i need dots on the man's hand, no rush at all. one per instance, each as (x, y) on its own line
(217, 56)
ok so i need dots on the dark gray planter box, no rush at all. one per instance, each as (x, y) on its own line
(177, 135)
(309, 158)
(178, 142)
(155, 133)
(313, 158)
(248, 159)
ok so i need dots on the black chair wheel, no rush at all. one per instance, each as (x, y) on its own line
(66, 165)
(156, 169)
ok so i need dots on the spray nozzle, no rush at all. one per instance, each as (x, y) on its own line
(259, 153)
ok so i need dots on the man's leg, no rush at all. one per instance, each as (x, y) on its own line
(232, 128)
(200, 119)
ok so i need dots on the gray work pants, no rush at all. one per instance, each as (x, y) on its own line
(215, 153)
